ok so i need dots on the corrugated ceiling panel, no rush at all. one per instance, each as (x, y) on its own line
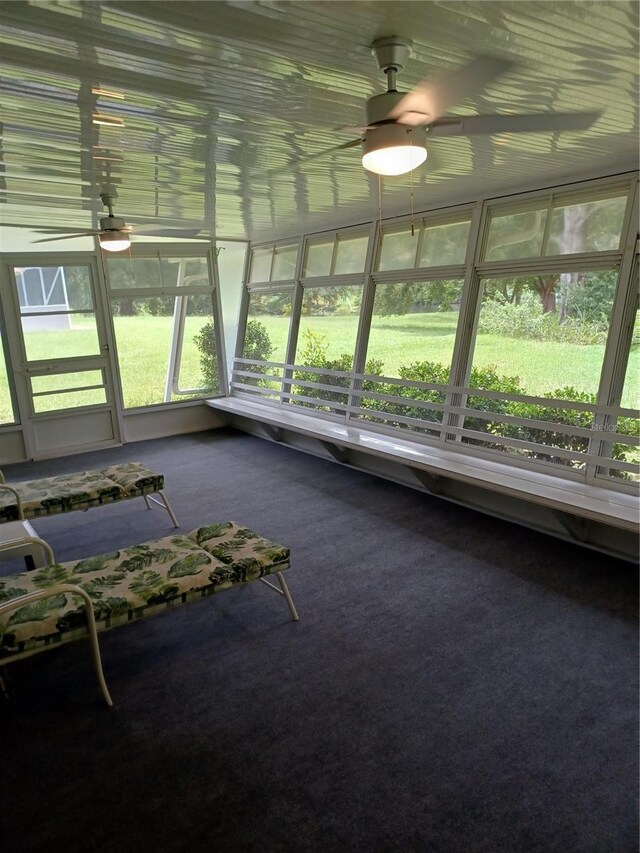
(216, 95)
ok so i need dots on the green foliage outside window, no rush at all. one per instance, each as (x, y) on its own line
(314, 354)
(257, 345)
(489, 379)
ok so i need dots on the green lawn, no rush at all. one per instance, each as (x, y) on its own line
(143, 349)
(541, 366)
(144, 342)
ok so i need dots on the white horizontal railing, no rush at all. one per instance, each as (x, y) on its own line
(447, 421)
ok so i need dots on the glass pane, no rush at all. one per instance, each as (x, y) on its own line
(631, 392)
(69, 400)
(6, 408)
(444, 244)
(260, 264)
(318, 260)
(266, 334)
(414, 323)
(516, 235)
(591, 227)
(284, 263)
(398, 250)
(268, 326)
(133, 272)
(184, 272)
(231, 267)
(57, 381)
(53, 288)
(413, 330)
(542, 336)
(144, 330)
(326, 339)
(351, 255)
(630, 400)
(126, 273)
(198, 359)
(60, 336)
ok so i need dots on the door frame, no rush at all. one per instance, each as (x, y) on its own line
(23, 368)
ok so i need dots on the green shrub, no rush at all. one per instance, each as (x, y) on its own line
(489, 379)
(257, 345)
(205, 340)
(527, 320)
(314, 354)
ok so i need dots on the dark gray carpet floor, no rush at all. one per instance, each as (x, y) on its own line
(456, 683)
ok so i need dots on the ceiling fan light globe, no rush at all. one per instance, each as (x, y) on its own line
(113, 241)
(393, 149)
(396, 160)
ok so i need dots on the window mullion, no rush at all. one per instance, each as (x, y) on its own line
(467, 319)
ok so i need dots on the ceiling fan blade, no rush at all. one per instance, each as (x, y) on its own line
(543, 122)
(47, 229)
(428, 101)
(65, 237)
(293, 164)
(178, 233)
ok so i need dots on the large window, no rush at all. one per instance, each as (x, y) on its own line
(540, 336)
(624, 448)
(431, 244)
(549, 330)
(340, 254)
(500, 329)
(326, 343)
(265, 340)
(560, 226)
(162, 311)
(412, 336)
(273, 263)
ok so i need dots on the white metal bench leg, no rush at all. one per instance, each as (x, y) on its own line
(95, 651)
(284, 590)
(163, 502)
(31, 597)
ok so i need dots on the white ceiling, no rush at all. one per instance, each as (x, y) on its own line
(218, 94)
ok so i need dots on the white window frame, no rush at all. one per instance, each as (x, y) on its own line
(180, 293)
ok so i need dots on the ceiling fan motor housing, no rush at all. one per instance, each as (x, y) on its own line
(387, 133)
(378, 107)
(112, 223)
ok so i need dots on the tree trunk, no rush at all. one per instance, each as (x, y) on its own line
(546, 287)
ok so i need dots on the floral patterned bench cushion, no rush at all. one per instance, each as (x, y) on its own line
(135, 479)
(237, 546)
(80, 491)
(126, 585)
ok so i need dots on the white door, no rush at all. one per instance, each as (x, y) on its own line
(60, 355)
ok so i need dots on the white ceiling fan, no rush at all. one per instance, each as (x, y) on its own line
(398, 124)
(114, 234)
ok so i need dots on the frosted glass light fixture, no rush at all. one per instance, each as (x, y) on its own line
(393, 149)
(114, 241)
